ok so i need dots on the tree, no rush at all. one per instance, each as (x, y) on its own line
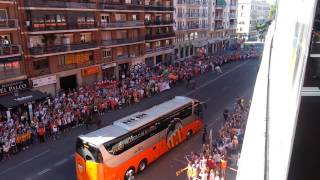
(272, 12)
(262, 29)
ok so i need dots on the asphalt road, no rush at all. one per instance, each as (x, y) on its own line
(54, 160)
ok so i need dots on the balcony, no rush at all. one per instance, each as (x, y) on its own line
(160, 36)
(9, 50)
(122, 24)
(218, 27)
(56, 26)
(40, 50)
(8, 24)
(233, 16)
(122, 6)
(59, 4)
(158, 49)
(158, 8)
(219, 17)
(157, 22)
(120, 42)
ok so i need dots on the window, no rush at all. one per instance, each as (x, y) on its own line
(41, 64)
(134, 17)
(85, 37)
(158, 44)
(105, 18)
(106, 53)
(121, 17)
(3, 14)
(61, 60)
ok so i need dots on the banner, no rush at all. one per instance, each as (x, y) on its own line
(78, 58)
(13, 86)
(164, 86)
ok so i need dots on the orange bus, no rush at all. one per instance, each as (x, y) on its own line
(133, 142)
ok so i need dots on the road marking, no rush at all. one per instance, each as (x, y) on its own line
(43, 171)
(213, 80)
(59, 163)
(24, 162)
(179, 161)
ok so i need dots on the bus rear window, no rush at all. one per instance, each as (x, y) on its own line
(88, 152)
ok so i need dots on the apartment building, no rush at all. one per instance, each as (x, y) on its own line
(191, 26)
(223, 23)
(204, 26)
(251, 13)
(71, 43)
(12, 74)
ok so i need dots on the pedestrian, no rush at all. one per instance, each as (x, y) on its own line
(218, 69)
(204, 135)
(226, 114)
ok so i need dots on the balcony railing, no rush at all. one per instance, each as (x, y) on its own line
(118, 24)
(75, 66)
(39, 50)
(8, 23)
(219, 17)
(158, 8)
(159, 36)
(6, 50)
(218, 27)
(193, 27)
(190, 2)
(219, 6)
(121, 41)
(51, 26)
(233, 16)
(157, 22)
(59, 4)
(122, 6)
(124, 57)
(152, 50)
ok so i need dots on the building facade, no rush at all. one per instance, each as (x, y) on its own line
(12, 65)
(251, 13)
(67, 44)
(204, 26)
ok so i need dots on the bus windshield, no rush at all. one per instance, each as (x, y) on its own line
(88, 152)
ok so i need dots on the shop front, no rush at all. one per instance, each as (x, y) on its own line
(108, 71)
(45, 84)
(90, 75)
(16, 97)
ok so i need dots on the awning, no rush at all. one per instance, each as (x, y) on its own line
(9, 101)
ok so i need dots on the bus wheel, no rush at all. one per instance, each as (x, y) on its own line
(129, 173)
(189, 134)
(142, 165)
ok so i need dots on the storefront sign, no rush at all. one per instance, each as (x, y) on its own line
(90, 71)
(10, 59)
(106, 66)
(13, 86)
(44, 81)
(78, 58)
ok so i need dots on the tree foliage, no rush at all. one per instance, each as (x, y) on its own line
(272, 12)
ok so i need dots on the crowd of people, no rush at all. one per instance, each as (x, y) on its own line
(220, 154)
(73, 108)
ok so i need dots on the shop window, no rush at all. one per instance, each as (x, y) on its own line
(106, 53)
(41, 64)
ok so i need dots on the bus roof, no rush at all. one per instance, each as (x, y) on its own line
(139, 119)
(134, 121)
(103, 135)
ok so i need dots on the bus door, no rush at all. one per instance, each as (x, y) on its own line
(88, 161)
